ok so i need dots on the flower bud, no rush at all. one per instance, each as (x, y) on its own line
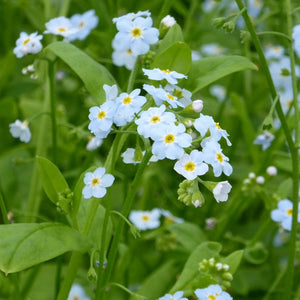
(272, 171)
(260, 180)
(168, 21)
(197, 106)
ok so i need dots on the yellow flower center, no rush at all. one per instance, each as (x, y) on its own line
(219, 157)
(166, 71)
(290, 212)
(169, 138)
(61, 29)
(81, 24)
(170, 97)
(127, 100)
(155, 119)
(178, 93)
(95, 181)
(190, 166)
(218, 126)
(101, 114)
(26, 42)
(136, 32)
(129, 51)
(212, 297)
(145, 218)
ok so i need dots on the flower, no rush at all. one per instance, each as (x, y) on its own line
(94, 143)
(177, 296)
(212, 49)
(221, 191)
(264, 139)
(213, 155)
(158, 74)
(168, 21)
(61, 26)
(96, 183)
(212, 292)
(84, 24)
(20, 130)
(144, 220)
(296, 39)
(271, 171)
(136, 35)
(284, 214)
(153, 120)
(274, 52)
(260, 179)
(127, 106)
(170, 141)
(191, 165)
(218, 91)
(132, 16)
(77, 293)
(28, 44)
(129, 156)
(124, 58)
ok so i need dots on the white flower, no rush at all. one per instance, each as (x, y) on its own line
(20, 130)
(77, 293)
(129, 156)
(177, 296)
(61, 26)
(264, 139)
(84, 23)
(158, 74)
(124, 58)
(284, 214)
(296, 39)
(260, 180)
(144, 220)
(136, 34)
(197, 105)
(218, 91)
(213, 155)
(205, 123)
(271, 171)
(212, 49)
(153, 120)
(170, 217)
(191, 165)
(184, 96)
(127, 106)
(221, 191)
(111, 92)
(132, 16)
(168, 21)
(274, 52)
(94, 143)
(27, 44)
(170, 141)
(160, 95)
(96, 183)
(212, 292)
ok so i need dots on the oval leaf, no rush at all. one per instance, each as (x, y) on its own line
(52, 179)
(177, 58)
(191, 269)
(173, 35)
(209, 69)
(93, 74)
(25, 245)
(233, 260)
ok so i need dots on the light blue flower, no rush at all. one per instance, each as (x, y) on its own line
(136, 35)
(158, 74)
(264, 139)
(213, 291)
(177, 296)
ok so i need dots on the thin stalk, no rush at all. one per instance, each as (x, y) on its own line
(295, 165)
(53, 108)
(189, 17)
(133, 74)
(3, 209)
(164, 11)
(100, 292)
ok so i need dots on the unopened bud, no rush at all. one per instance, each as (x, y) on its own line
(260, 180)
(272, 171)
(168, 21)
(197, 106)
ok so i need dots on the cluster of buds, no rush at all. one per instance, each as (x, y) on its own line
(217, 270)
(65, 199)
(166, 242)
(189, 193)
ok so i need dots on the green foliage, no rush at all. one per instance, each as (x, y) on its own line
(46, 240)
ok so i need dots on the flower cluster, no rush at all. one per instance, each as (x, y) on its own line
(134, 37)
(212, 292)
(78, 27)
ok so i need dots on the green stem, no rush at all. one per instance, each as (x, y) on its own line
(100, 292)
(34, 198)
(53, 108)
(3, 209)
(189, 17)
(164, 11)
(274, 33)
(133, 74)
(295, 166)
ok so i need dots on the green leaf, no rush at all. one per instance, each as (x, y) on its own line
(93, 74)
(159, 281)
(52, 179)
(256, 255)
(207, 70)
(188, 234)
(177, 58)
(25, 245)
(191, 269)
(173, 35)
(233, 260)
